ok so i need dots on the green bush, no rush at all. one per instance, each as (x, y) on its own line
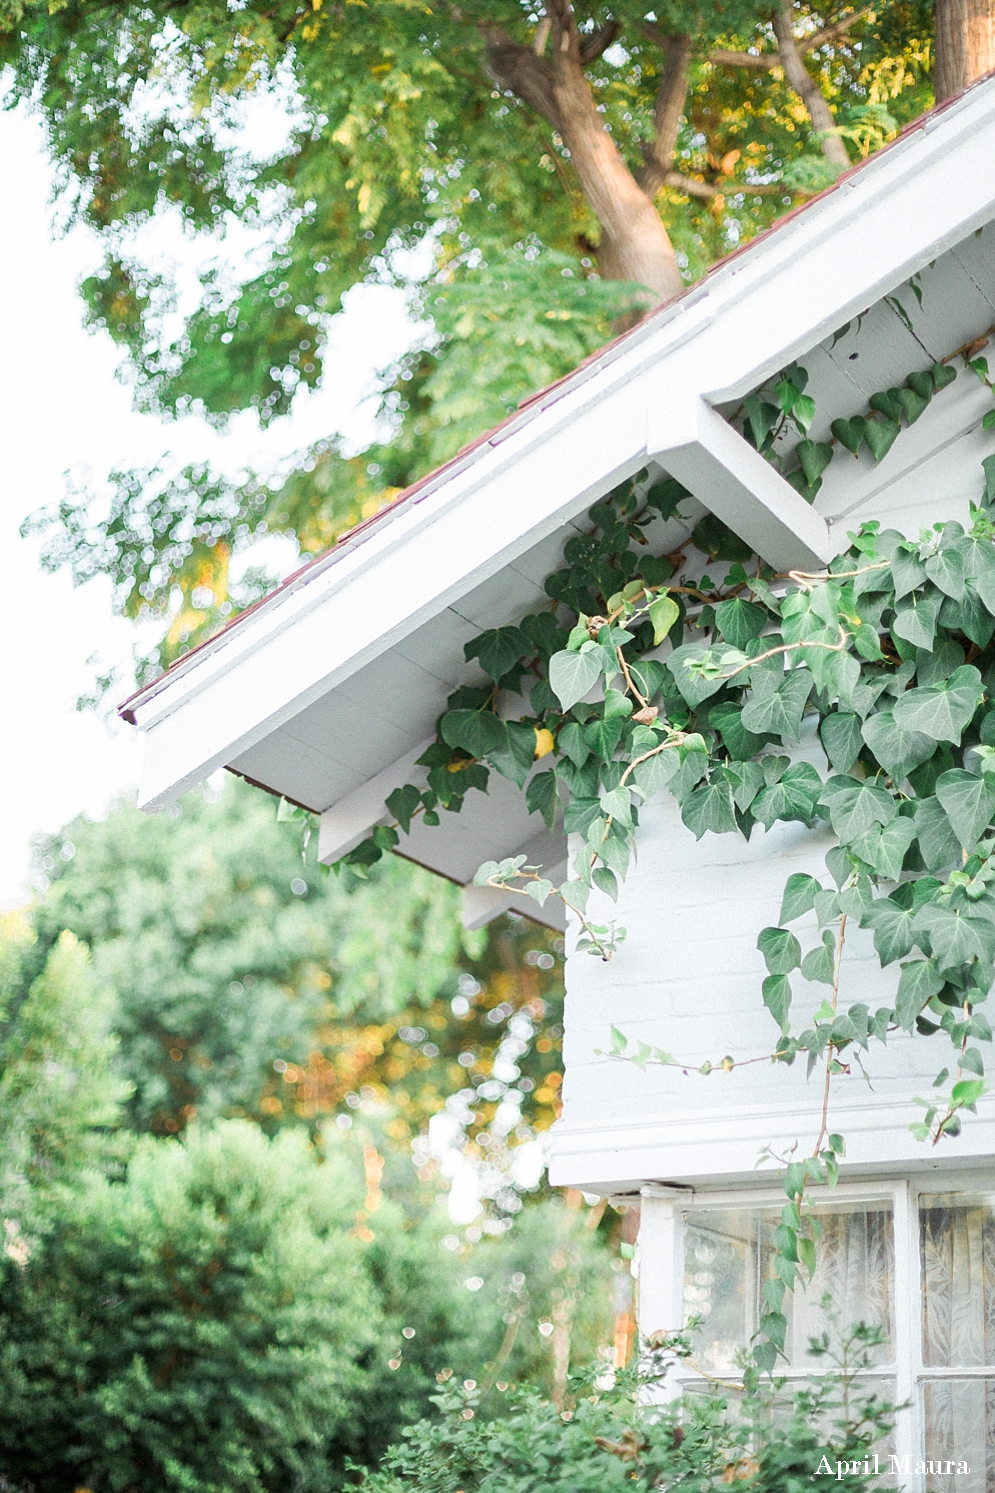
(203, 1325)
(626, 1437)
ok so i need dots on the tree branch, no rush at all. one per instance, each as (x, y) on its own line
(806, 87)
(593, 44)
(523, 72)
(765, 60)
(694, 188)
(670, 99)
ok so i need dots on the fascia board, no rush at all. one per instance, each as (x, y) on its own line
(402, 576)
(889, 221)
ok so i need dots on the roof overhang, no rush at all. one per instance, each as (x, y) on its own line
(327, 690)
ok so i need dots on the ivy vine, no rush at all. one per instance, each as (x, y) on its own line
(640, 677)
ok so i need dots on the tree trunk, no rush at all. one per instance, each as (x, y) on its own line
(634, 243)
(806, 87)
(964, 45)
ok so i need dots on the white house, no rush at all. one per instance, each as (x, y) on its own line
(328, 691)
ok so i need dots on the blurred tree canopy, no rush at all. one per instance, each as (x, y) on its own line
(266, 1285)
(247, 981)
(215, 1319)
(517, 169)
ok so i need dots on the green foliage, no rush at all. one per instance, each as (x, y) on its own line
(396, 139)
(889, 654)
(617, 1435)
(60, 1100)
(219, 967)
(208, 1322)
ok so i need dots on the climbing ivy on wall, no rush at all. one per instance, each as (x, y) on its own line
(884, 664)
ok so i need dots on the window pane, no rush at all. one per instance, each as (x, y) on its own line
(959, 1417)
(730, 1253)
(958, 1266)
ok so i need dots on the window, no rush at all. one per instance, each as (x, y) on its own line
(729, 1255)
(920, 1264)
(957, 1242)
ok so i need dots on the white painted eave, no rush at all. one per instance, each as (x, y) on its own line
(648, 396)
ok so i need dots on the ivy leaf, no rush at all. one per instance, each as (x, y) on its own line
(498, 649)
(402, 803)
(886, 404)
(854, 807)
(694, 765)
(922, 383)
(800, 891)
(514, 759)
(819, 963)
(920, 981)
(604, 736)
(541, 797)
(938, 845)
(939, 663)
(841, 737)
(615, 853)
(657, 771)
(740, 743)
(907, 570)
(897, 751)
(618, 805)
(538, 890)
(479, 732)
(710, 808)
(941, 710)
(616, 704)
(943, 375)
(664, 496)
(762, 417)
(814, 457)
(884, 847)
(746, 780)
(849, 433)
(740, 621)
(946, 570)
(781, 950)
(880, 436)
(913, 403)
(954, 938)
(571, 742)
(916, 618)
(777, 998)
(780, 714)
(694, 689)
(605, 880)
(968, 802)
(663, 613)
(892, 925)
(969, 616)
(571, 675)
(580, 814)
(795, 796)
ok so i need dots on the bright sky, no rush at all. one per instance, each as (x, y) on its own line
(61, 409)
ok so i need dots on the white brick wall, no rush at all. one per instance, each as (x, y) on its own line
(688, 979)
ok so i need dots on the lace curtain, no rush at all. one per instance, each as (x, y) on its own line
(958, 1265)
(957, 1236)
(729, 1253)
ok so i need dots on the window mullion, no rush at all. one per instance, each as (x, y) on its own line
(907, 1320)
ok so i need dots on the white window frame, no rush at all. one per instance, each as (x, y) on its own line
(661, 1276)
